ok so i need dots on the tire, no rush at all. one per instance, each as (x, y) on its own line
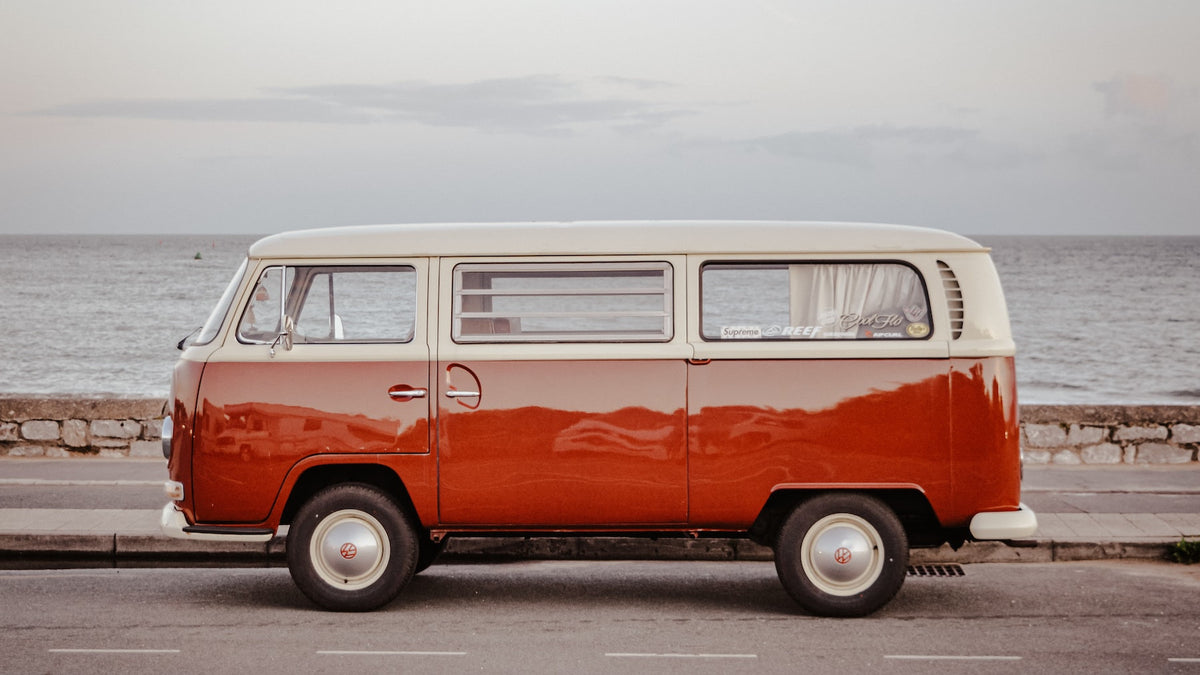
(842, 554)
(351, 548)
(430, 550)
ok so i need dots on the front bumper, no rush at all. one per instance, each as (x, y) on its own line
(1017, 524)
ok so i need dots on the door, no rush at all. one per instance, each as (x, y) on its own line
(351, 376)
(561, 394)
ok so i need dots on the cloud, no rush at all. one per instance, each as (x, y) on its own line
(865, 145)
(1151, 124)
(213, 110)
(916, 135)
(1135, 148)
(636, 82)
(537, 104)
(833, 147)
(1136, 95)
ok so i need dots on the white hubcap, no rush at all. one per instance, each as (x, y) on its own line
(842, 554)
(350, 549)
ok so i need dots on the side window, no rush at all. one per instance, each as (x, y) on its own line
(813, 301)
(563, 302)
(330, 304)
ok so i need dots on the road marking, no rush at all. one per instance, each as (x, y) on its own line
(682, 656)
(334, 652)
(113, 651)
(1184, 660)
(935, 657)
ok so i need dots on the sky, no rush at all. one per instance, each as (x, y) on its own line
(979, 117)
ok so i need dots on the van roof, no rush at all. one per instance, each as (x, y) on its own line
(647, 237)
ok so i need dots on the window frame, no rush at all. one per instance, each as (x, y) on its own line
(300, 285)
(785, 339)
(668, 314)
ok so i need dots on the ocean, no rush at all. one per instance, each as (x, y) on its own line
(1097, 320)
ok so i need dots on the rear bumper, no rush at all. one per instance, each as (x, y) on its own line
(175, 525)
(1017, 524)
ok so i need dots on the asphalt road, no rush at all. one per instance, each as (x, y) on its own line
(585, 617)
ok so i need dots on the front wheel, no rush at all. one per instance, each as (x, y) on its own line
(842, 554)
(351, 548)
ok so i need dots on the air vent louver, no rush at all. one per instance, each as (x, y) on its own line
(954, 299)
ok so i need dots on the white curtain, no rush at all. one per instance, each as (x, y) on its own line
(842, 297)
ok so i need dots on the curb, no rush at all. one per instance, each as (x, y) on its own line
(43, 549)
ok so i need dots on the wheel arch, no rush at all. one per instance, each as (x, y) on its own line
(316, 478)
(908, 502)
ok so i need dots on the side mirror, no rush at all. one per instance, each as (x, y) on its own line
(285, 336)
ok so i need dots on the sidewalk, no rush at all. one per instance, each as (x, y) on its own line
(1084, 513)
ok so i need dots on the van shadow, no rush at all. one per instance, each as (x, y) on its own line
(629, 584)
(543, 586)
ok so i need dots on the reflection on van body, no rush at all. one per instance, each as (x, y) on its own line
(839, 392)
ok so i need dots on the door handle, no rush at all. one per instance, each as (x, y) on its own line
(405, 393)
(469, 398)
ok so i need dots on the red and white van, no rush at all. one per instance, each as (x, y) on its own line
(840, 392)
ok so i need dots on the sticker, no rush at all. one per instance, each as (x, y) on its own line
(914, 313)
(874, 321)
(741, 332)
(792, 331)
(349, 551)
(917, 330)
(828, 317)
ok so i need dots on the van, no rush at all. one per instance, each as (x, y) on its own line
(838, 392)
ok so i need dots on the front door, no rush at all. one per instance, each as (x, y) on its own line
(354, 380)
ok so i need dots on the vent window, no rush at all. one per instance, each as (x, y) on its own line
(954, 299)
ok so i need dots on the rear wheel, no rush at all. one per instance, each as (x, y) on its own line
(351, 548)
(842, 554)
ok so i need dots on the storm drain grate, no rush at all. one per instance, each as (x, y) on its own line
(947, 570)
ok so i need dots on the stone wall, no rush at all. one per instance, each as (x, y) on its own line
(1067, 434)
(76, 427)
(1050, 434)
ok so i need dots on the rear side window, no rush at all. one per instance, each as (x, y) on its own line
(813, 301)
(563, 302)
(363, 304)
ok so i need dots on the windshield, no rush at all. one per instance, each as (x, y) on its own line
(213, 325)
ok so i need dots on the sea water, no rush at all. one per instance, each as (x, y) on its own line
(1098, 320)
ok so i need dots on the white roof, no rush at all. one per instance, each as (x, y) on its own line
(648, 237)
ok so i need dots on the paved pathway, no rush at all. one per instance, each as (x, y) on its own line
(1083, 512)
